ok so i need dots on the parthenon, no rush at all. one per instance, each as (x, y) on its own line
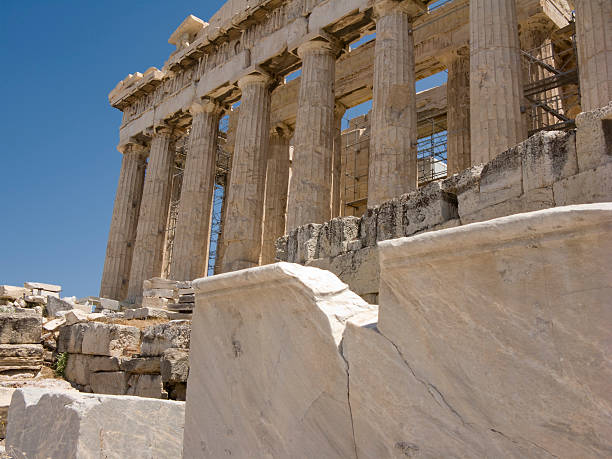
(514, 68)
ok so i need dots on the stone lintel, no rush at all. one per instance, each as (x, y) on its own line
(187, 31)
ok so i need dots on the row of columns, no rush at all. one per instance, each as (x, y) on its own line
(484, 119)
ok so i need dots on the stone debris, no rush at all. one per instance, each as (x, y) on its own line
(158, 338)
(146, 313)
(67, 424)
(9, 292)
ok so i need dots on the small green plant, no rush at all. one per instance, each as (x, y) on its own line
(60, 364)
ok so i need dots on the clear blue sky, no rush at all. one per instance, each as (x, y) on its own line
(58, 133)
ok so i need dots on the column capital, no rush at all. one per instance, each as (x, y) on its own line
(206, 106)
(339, 109)
(318, 44)
(383, 8)
(133, 149)
(254, 78)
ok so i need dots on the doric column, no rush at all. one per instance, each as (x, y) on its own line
(393, 140)
(496, 90)
(458, 111)
(192, 236)
(242, 229)
(122, 234)
(277, 183)
(594, 41)
(151, 233)
(337, 160)
(310, 188)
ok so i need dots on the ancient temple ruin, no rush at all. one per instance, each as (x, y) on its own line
(515, 68)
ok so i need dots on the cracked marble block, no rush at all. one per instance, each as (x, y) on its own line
(505, 325)
(266, 376)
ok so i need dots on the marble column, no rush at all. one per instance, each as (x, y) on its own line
(310, 188)
(243, 225)
(458, 111)
(393, 163)
(594, 41)
(122, 234)
(192, 235)
(277, 183)
(151, 232)
(337, 160)
(496, 90)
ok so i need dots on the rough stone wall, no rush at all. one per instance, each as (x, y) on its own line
(549, 169)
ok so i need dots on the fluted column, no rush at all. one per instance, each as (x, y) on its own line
(310, 188)
(496, 90)
(594, 41)
(277, 183)
(242, 229)
(458, 111)
(192, 236)
(122, 233)
(151, 232)
(393, 140)
(337, 160)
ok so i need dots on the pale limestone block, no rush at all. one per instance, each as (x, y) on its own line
(154, 302)
(41, 286)
(74, 425)
(303, 243)
(80, 367)
(145, 313)
(54, 325)
(35, 299)
(110, 339)
(501, 178)
(70, 339)
(521, 330)
(547, 157)
(55, 305)
(107, 303)
(274, 352)
(536, 199)
(593, 185)
(159, 292)
(159, 283)
(594, 137)
(109, 382)
(145, 385)
(140, 365)
(10, 292)
(157, 338)
(20, 328)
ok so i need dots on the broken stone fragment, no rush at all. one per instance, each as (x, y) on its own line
(154, 302)
(75, 316)
(42, 286)
(20, 357)
(145, 313)
(71, 424)
(35, 299)
(107, 303)
(54, 324)
(55, 305)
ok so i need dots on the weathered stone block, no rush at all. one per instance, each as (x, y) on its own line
(368, 227)
(387, 224)
(303, 401)
(21, 357)
(174, 334)
(175, 365)
(425, 208)
(70, 338)
(42, 286)
(154, 302)
(112, 305)
(145, 386)
(589, 186)
(304, 240)
(20, 328)
(10, 292)
(72, 425)
(80, 367)
(74, 316)
(110, 339)
(109, 382)
(55, 305)
(547, 157)
(594, 138)
(532, 200)
(140, 365)
(335, 235)
(516, 359)
(502, 178)
(145, 313)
